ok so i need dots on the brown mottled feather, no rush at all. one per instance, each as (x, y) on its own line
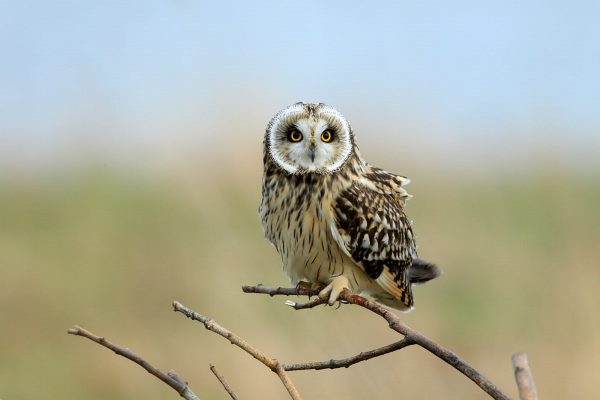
(341, 219)
(375, 231)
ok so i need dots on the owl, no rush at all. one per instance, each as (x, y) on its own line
(336, 221)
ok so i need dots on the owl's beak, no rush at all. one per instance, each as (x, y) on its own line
(311, 152)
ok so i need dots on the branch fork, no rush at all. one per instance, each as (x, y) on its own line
(410, 337)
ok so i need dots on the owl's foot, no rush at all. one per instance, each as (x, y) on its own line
(310, 286)
(333, 290)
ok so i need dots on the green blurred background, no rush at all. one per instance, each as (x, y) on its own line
(130, 167)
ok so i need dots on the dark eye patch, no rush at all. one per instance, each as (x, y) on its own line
(294, 135)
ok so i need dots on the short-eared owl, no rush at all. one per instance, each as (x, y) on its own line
(336, 221)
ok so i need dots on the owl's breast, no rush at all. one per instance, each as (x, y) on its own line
(296, 214)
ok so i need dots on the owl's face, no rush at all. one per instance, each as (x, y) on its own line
(306, 138)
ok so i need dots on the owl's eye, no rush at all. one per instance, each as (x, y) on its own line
(326, 136)
(295, 135)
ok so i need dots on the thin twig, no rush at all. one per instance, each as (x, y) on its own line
(213, 326)
(396, 324)
(170, 378)
(524, 377)
(303, 306)
(347, 362)
(223, 382)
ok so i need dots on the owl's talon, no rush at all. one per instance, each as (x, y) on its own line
(309, 286)
(317, 286)
(303, 285)
(332, 292)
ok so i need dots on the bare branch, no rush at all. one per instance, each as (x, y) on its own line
(223, 382)
(287, 382)
(347, 362)
(170, 378)
(213, 326)
(303, 306)
(260, 288)
(396, 324)
(524, 377)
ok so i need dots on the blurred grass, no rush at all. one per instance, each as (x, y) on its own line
(110, 252)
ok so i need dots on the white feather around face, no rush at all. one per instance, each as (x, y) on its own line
(311, 154)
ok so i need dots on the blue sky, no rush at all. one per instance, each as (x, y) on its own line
(464, 71)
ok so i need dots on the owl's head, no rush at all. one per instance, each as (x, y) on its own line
(307, 138)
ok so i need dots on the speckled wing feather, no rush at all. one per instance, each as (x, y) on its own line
(371, 225)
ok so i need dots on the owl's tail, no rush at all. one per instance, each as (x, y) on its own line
(422, 271)
(398, 293)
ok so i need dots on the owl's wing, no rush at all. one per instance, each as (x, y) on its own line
(371, 227)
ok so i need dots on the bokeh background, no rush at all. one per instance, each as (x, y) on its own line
(130, 166)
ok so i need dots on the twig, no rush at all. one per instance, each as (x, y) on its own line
(213, 326)
(396, 324)
(347, 362)
(170, 378)
(303, 306)
(223, 382)
(524, 377)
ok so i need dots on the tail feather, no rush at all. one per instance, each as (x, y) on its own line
(422, 271)
(395, 283)
(397, 287)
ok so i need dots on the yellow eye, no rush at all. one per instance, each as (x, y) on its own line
(326, 136)
(295, 135)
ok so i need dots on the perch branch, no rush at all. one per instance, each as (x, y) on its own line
(524, 377)
(213, 326)
(170, 378)
(223, 382)
(279, 291)
(397, 325)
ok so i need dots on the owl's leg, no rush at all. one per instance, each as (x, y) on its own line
(333, 290)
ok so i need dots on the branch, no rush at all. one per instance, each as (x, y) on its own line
(287, 382)
(524, 377)
(303, 306)
(223, 382)
(260, 288)
(297, 291)
(170, 378)
(396, 324)
(347, 362)
(271, 363)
